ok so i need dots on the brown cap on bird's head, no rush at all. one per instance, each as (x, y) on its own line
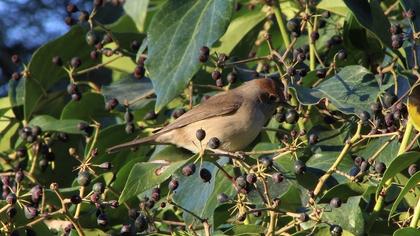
(272, 86)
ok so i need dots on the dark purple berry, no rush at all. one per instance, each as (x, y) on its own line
(222, 198)
(71, 8)
(106, 165)
(380, 167)
(336, 230)
(335, 202)
(300, 167)
(200, 134)
(139, 71)
(173, 185)
(141, 223)
(188, 169)
(151, 115)
(75, 199)
(135, 45)
(98, 187)
(15, 59)
(412, 169)
(75, 62)
(102, 219)
(56, 60)
(214, 143)
(30, 212)
(215, 75)
(205, 175)
(251, 178)
(231, 77)
(111, 104)
(11, 199)
(241, 182)
(267, 162)
(83, 178)
(277, 177)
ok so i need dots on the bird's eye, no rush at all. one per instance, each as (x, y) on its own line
(268, 98)
(272, 98)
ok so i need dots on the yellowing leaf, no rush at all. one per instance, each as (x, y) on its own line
(414, 106)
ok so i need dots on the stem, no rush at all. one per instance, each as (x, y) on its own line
(280, 22)
(311, 44)
(337, 162)
(77, 213)
(380, 201)
(98, 66)
(416, 215)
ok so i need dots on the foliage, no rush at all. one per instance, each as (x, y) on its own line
(339, 157)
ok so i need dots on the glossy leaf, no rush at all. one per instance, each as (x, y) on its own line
(336, 6)
(344, 191)
(406, 232)
(137, 10)
(237, 30)
(91, 106)
(177, 32)
(133, 90)
(371, 16)
(397, 165)
(143, 176)
(352, 90)
(412, 182)
(49, 123)
(44, 74)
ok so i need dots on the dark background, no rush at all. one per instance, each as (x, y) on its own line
(27, 24)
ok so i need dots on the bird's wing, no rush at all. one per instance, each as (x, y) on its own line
(219, 105)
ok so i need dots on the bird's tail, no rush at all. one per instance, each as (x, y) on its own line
(133, 143)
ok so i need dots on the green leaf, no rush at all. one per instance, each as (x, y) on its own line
(91, 106)
(352, 90)
(137, 10)
(336, 6)
(205, 194)
(143, 176)
(415, 6)
(119, 135)
(177, 32)
(349, 216)
(344, 191)
(248, 230)
(412, 182)
(49, 123)
(406, 232)
(16, 90)
(370, 15)
(238, 28)
(397, 165)
(388, 154)
(130, 89)
(44, 74)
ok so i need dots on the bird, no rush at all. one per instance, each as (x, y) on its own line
(235, 117)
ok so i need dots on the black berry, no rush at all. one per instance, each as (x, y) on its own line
(173, 185)
(335, 202)
(83, 178)
(200, 134)
(214, 143)
(188, 169)
(205, 175)
(300, 167)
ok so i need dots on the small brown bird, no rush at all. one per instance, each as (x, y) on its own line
(234, 117)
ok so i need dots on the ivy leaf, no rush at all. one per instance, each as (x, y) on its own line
(412, 182)
(44, 74)
(130, 89)
(49, 123)
(177, 32)
(143, 176)
(137, 10)
(336, 6)
(370, 15)
(351, 91)
(238, 28)
(397, 165)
